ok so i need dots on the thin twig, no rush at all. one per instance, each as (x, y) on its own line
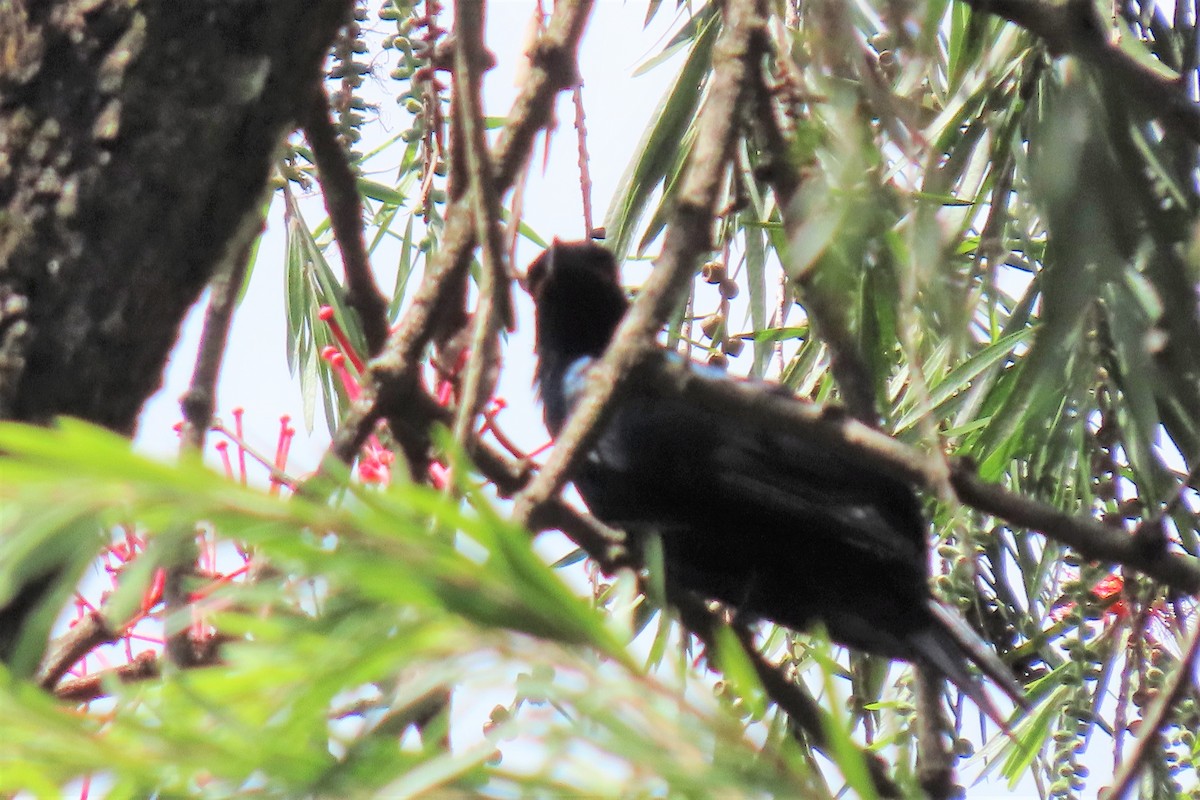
(199, 401)
(1175, 502)
(935, 761)
(339, 188)
(585, 175)
(245, 448)
(198, 404)
(431, 107)
(1180, 682)
(494, 302)
(1134, 660)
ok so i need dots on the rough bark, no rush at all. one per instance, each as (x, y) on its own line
(136, 142)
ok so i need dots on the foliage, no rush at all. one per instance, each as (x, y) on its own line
(1012, 245)
(391, 595)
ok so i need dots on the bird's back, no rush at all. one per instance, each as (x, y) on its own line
(763, 519)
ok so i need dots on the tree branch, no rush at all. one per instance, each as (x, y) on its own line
(585, 174)
(935, 761)
(392, 376)
(494, 302)
(1093, 540)
(339, 189)
(1146, 552)
(822, 306)
(198, 404)
(689, 235)
(64, 652)
(1151, 730)
(145, 666)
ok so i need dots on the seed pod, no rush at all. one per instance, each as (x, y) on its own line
(1062, 736)
(713, 272)
(883, 40)
(711, 325)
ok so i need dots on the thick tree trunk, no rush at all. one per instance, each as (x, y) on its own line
(136, 141)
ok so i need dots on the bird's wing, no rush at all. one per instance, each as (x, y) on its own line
(787, 477)
(667, 462)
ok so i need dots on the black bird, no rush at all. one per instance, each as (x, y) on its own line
(775, 525)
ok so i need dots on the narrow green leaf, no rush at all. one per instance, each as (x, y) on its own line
(378, 191)
(659, 148)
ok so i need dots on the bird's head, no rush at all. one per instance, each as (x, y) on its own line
(577, 292)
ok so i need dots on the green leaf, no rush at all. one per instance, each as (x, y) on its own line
(738, 671)
(659, 150)
(378, 191)
(842, 749)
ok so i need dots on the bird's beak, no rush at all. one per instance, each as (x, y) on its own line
(547, 259)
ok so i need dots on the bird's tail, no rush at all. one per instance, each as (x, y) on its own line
(949, 644)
